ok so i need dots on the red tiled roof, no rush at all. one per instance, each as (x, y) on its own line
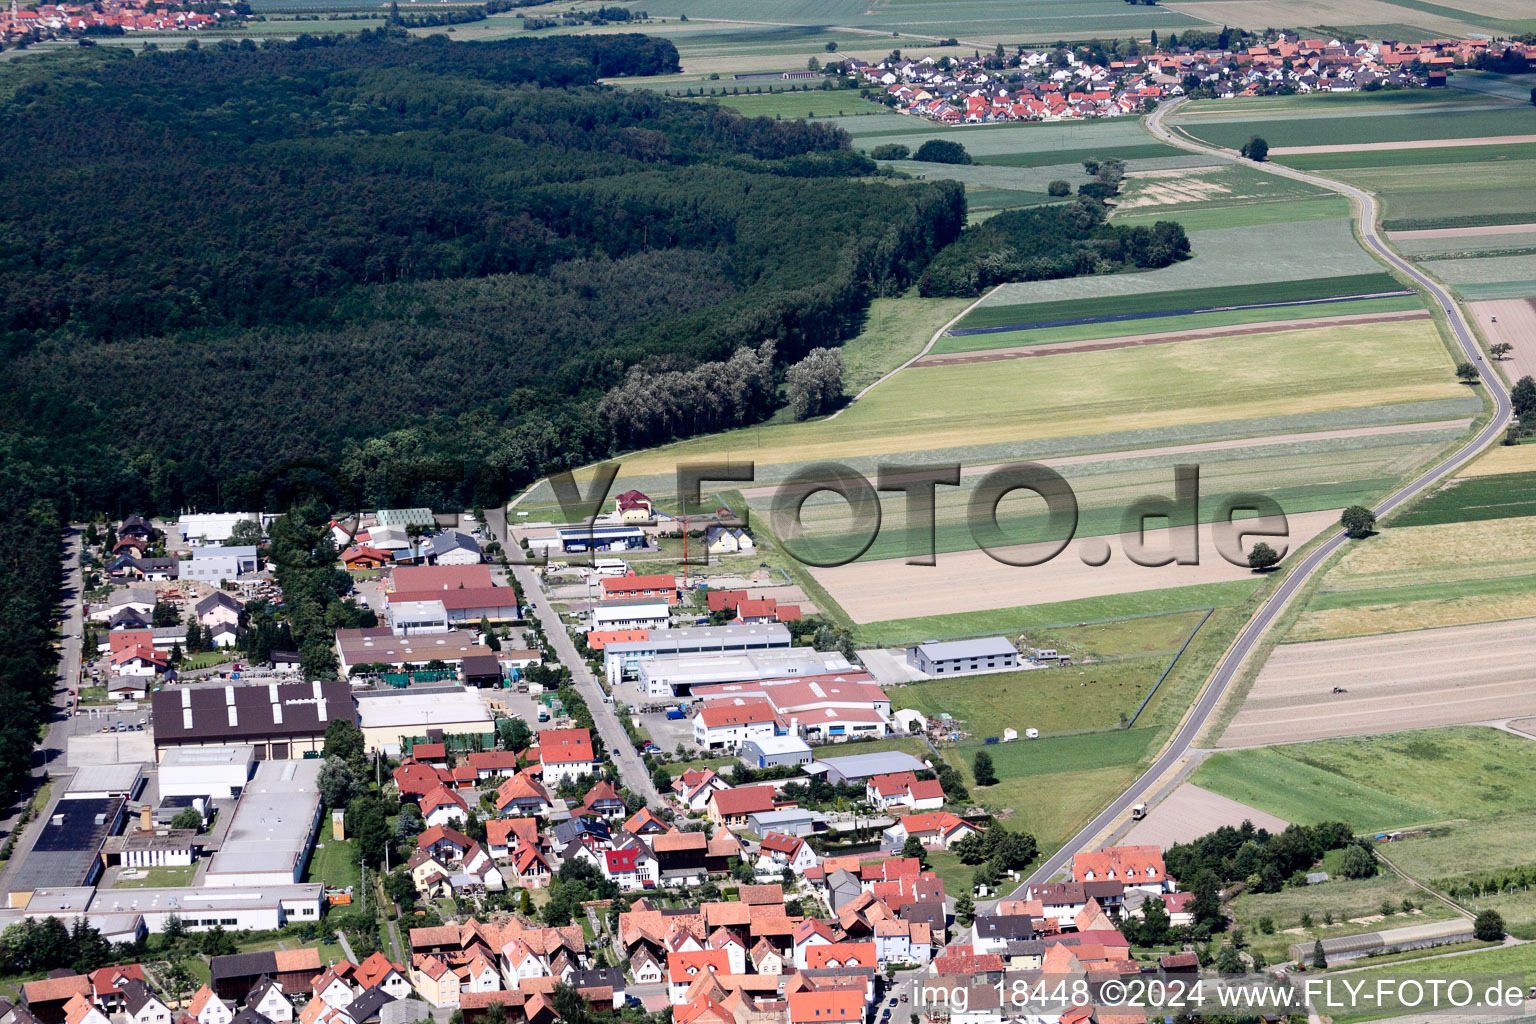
(565, 746)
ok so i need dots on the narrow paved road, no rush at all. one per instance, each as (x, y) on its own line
(1298, 574)
(618, 749)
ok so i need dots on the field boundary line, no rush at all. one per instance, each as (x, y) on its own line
(1169, 667)
(926, 349)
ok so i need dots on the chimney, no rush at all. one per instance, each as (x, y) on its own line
(146, 817)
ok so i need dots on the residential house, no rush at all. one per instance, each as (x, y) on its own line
(141, 1005)
(693, 788)
(904, 789)
(208, 1008)
(443, 806)
(565, 754)
(937, 830)
(726, 540)
(378, 971)
(633, 867)
(1139, 867)
(725, 725)
(835, 1006)
(217, 609)
(523, 795)
(779, 853)
(80, 1010)
(729, 808)
(268, 999)
(658, 587)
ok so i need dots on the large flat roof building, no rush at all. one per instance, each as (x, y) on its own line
(273, 828)
(638, 615)
(68, 847)
(389, 717)
(279, 720)
(621, 658)
(962, 657)
(377, 645)
(675, 675)
(200, 908)
(217, 772)
(860, 767)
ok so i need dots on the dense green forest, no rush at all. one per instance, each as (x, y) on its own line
(1037, 243)
(382, 252)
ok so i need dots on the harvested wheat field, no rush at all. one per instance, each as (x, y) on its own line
(1398, 681)
(1367, 147)
(1501, 459)
(973, 581)
(1190, 812)
(1472, 232)
(992, 355)
(1516, 326)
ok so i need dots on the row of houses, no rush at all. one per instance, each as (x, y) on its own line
(1050, 85)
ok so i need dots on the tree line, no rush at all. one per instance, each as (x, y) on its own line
(1060, 240)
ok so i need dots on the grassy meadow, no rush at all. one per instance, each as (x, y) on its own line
(1381, 782)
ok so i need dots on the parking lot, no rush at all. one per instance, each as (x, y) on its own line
(110, 718)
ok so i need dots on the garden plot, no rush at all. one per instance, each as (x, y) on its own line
(1222, 257)
(1397, 681)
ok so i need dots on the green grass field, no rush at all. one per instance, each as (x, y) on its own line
(1042, 158)
(334, 863)
(1481, 850)
(894, 331)
(1000, 314)
(1251, 215)
(1472, 500)
(813, 103)
(962, 410)
(1050, 617)
(1302, 475)
(1380, 782)
(1345, 899)
(1518, 963)
(1053, 700)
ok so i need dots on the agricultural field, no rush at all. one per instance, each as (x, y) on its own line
(1394, 19)
(1437, 159)
(1053, 615)
(1378, 783)
(1505, 496)
(1173, 302)
(1421, 577)
(1412, 680)
(1311, 121)
(1223, 257)
(1225, 323)
(1489, 849)
(975, 22)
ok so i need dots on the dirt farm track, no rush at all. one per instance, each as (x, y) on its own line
(1396, 681)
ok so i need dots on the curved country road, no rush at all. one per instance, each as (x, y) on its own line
(1226, 670)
